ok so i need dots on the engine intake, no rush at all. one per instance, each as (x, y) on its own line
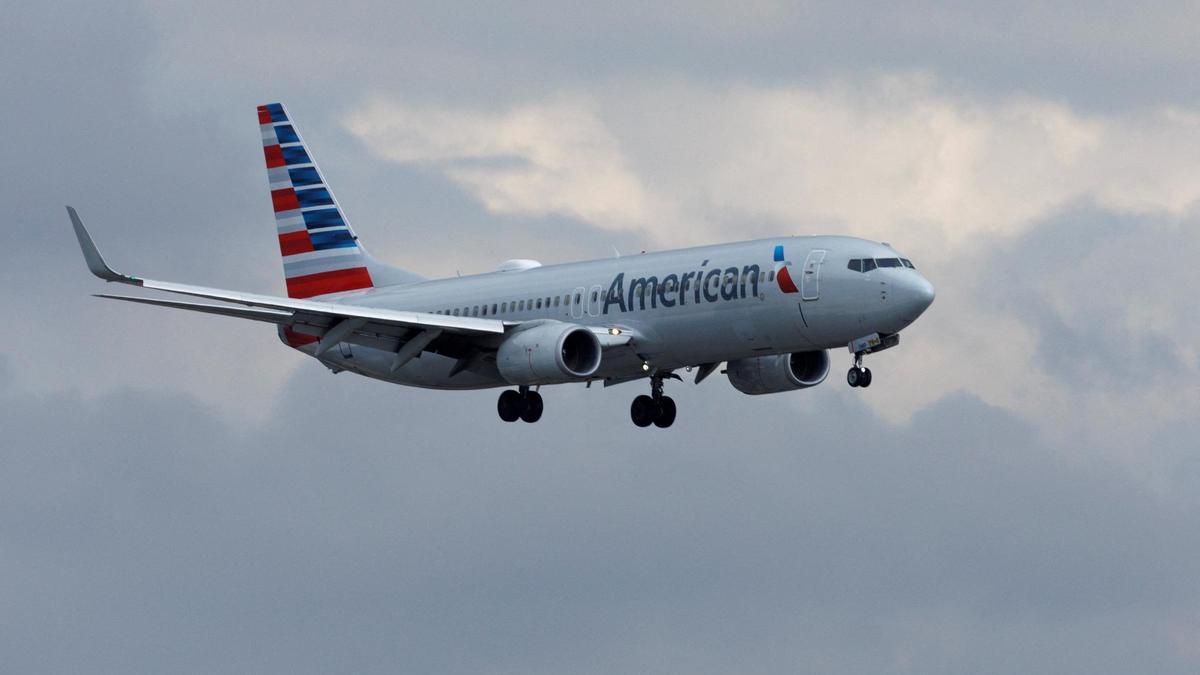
(779, 372)
(549, 353)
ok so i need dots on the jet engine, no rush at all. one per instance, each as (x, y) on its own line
(778, 373)
(549, 353)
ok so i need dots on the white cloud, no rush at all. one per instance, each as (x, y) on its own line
(555, 157)
(897, 157)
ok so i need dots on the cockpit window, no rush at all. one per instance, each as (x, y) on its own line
(868, 264)
(888, 262)
(855, 265)
(908, 263)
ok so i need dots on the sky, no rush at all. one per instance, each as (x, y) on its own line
(1015, 493)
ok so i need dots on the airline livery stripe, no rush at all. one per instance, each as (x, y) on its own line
(264, 116)
(314, 197)
(292, 243)
(322, 218)
(328, 239)
(286, 134)
(274, 156)
(284, 200)
(338, 259)
(277, 114)
(306, 175)
(295, 154)
(328, 282)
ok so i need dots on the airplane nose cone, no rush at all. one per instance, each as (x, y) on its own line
(918, 296)
(924, 295)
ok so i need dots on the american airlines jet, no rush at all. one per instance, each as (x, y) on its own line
(769, 309)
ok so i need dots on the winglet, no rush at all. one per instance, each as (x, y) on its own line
(91, 254)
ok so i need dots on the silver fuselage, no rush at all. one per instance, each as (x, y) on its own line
(667, 306)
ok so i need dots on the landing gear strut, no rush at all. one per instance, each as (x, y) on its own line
(521, 404)
(656, 408)
(858, 376)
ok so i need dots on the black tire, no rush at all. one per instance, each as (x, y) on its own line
(666, 413)
(533, 407)
(866, 378)
(853, 377)
(643, 411)
(510, 405)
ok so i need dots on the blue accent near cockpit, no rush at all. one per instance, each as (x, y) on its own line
(779, 253)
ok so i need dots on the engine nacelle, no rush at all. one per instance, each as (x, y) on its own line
(549, 353)
(778, 373)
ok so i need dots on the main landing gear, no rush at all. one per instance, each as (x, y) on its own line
(654, 409)
(858, 376)
(521, 404)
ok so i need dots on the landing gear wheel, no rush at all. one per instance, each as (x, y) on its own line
(666, 413)
(865, 378)
(510, 406)
(643, 411)
(854, 377)
(533, 407)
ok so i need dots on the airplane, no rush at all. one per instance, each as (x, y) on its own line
(770, 309)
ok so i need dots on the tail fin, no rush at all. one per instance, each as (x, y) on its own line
(321, 254)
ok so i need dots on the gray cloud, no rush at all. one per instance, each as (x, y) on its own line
(141, 533)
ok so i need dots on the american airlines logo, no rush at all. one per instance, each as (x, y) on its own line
(703, 285)
(782, 276)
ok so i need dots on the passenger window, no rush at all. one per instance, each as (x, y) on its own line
(594, 296)
(539, 303)
(493, 308)
(557, 300)
(907, 263)
(578, 299)
(771, 275)
(855, 265)
(522, 305)
(456, 312)
(888, 262)
(484, 312)
(504, 307)
(868, 264)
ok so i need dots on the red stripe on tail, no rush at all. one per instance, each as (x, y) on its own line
(291, 243)
(274, 156)
(335, 281)
(284, 200)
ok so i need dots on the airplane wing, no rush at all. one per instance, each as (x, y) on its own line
(326, 323)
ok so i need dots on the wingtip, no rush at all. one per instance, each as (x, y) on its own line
(91, 254)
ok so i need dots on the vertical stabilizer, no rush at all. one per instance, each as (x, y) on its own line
(321, 254)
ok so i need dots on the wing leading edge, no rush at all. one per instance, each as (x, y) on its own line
(369, 326)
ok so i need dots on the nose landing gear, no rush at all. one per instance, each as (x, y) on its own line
(521, 404)
(858, 375)
(656, 408)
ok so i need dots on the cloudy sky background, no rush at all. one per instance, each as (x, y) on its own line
(1017, 492)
